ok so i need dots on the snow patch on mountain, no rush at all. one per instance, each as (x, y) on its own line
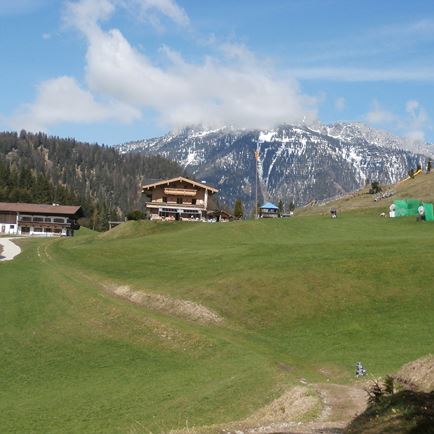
(296, 163)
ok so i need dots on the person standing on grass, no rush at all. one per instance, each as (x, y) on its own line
(421, 213)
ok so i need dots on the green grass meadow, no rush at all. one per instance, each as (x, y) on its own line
(311, 294)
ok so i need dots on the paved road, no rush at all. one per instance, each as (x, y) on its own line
(10, 249)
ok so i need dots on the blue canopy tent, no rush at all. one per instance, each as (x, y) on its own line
(269, 210)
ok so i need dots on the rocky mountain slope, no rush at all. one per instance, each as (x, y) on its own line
(296, 163)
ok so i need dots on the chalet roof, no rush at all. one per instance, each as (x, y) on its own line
(41, 209)
(178, 179)
(269, 205)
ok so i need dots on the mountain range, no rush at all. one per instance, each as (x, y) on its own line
(297, 163)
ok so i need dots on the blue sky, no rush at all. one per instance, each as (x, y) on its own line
(110, 71)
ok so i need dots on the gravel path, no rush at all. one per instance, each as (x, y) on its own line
(10, 249)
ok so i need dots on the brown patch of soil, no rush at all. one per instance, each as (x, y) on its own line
(163, 303)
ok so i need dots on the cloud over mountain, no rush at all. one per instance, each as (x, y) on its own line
(229, 86)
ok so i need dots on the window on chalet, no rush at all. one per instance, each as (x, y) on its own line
(47, 219)
(165, 199)
(57, 231)
(26, 218)
(58, 220)
(179, 200)
(193, 201)
(47, 230)
(38, 219)
(25, 230)
(37, 230)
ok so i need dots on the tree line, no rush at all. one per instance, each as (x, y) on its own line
(38, 168)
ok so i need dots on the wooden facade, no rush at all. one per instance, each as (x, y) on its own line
(38, 220)
(178, 199)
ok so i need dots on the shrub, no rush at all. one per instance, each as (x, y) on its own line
(135, 215)
(375, 187)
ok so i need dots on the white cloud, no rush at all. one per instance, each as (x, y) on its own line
(62, 100)
(231, 87)
(378, 115)
(413, 124)
(418, 122)
(340, 103)
(211, 93)
(364, 74)
(146, 10)
(217, 91)
(86, 15)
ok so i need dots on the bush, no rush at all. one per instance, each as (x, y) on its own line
(375, 187)
(135, 215)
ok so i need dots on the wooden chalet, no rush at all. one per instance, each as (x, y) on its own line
(178, 199)
(36, 219)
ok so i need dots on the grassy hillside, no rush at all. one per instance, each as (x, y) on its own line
(421, 187)
(300, 298)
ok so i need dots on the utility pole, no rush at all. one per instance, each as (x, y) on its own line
(256, 183)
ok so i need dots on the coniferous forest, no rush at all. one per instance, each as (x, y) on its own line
(37, 168)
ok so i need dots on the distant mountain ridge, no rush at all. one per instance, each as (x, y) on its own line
(296, 163)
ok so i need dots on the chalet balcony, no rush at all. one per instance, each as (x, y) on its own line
(188, 192)
(160, 204)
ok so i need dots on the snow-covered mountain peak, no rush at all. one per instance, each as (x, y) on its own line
(295, 161)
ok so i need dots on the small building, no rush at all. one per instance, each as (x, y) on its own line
(178, 199)
(220, 216)
(269, 210)
(39, 220)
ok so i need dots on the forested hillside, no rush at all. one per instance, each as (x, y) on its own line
(43, 169)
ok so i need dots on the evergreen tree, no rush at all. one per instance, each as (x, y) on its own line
(281, 207)
(375, 187)
(238, 209)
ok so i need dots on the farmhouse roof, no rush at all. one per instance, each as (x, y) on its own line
(182, 179)
(269, 205)
(41, 209)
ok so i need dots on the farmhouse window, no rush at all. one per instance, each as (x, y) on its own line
(179, 200)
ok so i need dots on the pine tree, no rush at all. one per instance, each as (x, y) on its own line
(238, 209)
(281, 207)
